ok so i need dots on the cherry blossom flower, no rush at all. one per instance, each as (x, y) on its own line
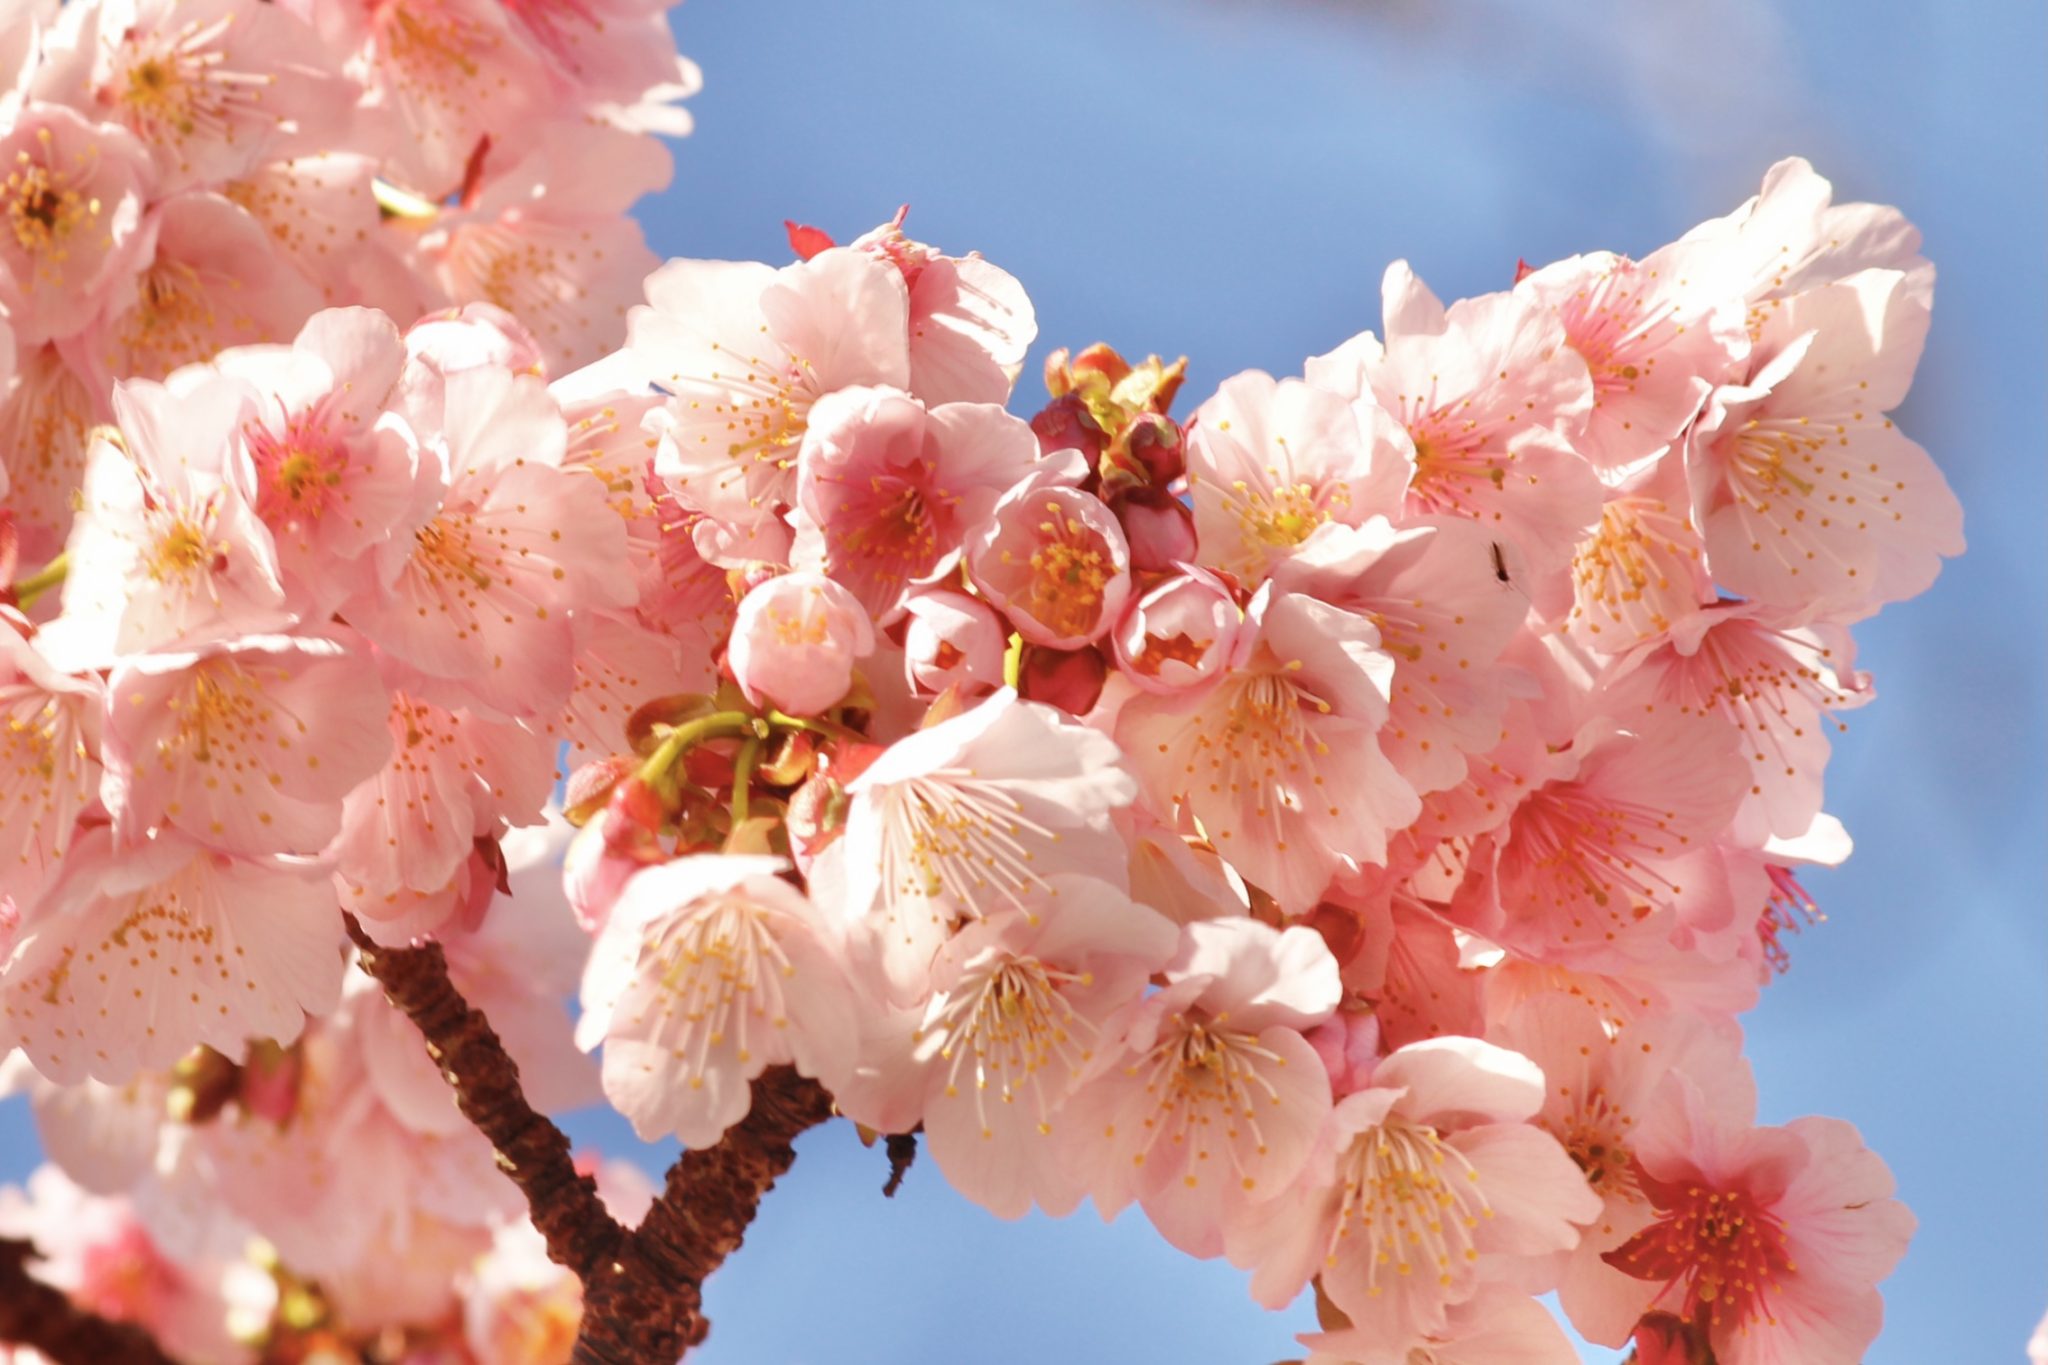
(1770, 1239)
(710, 970)
(952, 640)
(1805, 491)
(334, 469)
(168, 549)
(1055, 562)
(891, 486)
(1180, 635)
(211, 87)
(49, 762)
(1445, 616)
(1213, 1108)
(970, 321)
(744, 351)
(549, 240)
(968, 817)
(1270, 460)
(1602, 1084)
(46, 418)
(1424, 1175)
(206, 277)
(73, 192)
(1490, 395)
(1791, 237)
(136, 956)
(794, 642)
(1610, 840)
(1021, 1013)
(482, 592)
(1654, 340)
(1642, 567)
(1279, 760)
(247, 747)
(1779, 685)
(452, 778)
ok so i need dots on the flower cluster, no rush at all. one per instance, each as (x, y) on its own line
(1343, 822)
(181, 176)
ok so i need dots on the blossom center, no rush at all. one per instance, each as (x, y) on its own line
(960, 837)
(1069, 570)
(1595, 1136)
(182, 549)
(1729, 1252)
(1413, 1200)
(1209, 1088)
(45, 210)
(1001, 1034)
(725, 973)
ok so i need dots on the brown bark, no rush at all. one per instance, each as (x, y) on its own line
(578, 1231)
(34, 1314)
(642, 1290)
(647, 1307)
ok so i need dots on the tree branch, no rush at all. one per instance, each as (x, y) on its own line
(579, 1233)
(647, 1308)
(35, 1314)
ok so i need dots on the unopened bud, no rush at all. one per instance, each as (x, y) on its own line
(1160, 529)
(1069, 679)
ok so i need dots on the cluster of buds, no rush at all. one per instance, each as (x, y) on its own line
(1345, 823)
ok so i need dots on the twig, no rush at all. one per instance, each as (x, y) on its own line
(902, 1149)
(647, 1308)
(564, 1205)
(35, 1314)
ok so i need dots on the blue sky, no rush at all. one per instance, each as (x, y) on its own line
(1227, 179)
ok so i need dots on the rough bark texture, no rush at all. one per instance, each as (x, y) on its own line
(646, 1308)
(642, 1290)
(579, 1233)
(34, 1314)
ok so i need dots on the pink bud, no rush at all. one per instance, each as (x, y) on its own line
(269, 1082)
(794, 640)
(1153, 442)
(1055, 562)
(474, 335)
(1160, 528)
(599, 862)
(952, 639)
(1349, 1045)
(1064, 424)
(1178, 636)
(1069, 679)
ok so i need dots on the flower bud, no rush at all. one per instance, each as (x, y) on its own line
(1069, 679)
(1178, 636)
(1146, 453)
(1160, 529)
(1064, 424)
(1349, 1045)
(952, 639)
(794, 640)
(601, 858)
(474, 335)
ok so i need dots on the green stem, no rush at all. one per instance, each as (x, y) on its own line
(41, 581)
(717, 725)
(743, 778)
(817, 725)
